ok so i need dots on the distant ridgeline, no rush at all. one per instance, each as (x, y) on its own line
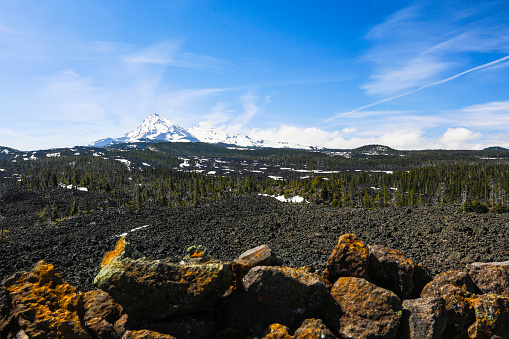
(172, 173)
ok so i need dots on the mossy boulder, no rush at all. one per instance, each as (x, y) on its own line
(157, 289)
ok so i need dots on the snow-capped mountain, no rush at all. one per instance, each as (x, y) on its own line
(152, 128)
(160, 129)
(205, 132)
(156, 128)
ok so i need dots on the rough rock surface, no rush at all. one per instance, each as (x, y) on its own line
(259, 256)
(348, 259)
(101, 313)
(369, 311)
(458, 303)
(490, 277)
(45, 306)
(157, 289)
(146, 334)
(271, 294)
(423, 318)
(390, 269)
(313, 329)
(458, 279)
(491, 317)
(301, 234)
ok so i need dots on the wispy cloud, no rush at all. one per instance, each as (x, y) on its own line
(169, 53)
(486, 65)
(491, 115)
(412, 47)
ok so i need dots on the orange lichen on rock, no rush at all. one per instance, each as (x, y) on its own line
(146, 334)
(44, 305)
(196, 254)
(368, 311)
(276, 331)
(492, 317)
(349, 258)
(117, 251)
(313, 329)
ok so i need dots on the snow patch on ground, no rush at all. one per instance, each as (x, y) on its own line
(53, 155)
(133, 230)
(126, 162)
(185, 163)
(295, 199)
(70, 187)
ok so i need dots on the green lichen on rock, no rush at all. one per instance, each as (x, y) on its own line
(158, 289)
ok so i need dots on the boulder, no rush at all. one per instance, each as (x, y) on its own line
(101, 313)
(423, 318)
(152, 290)
(348, 259)
(99, 304)
(391, 270)
(275, 331)
(45, 306)
(458, 279)
(490, 277)
(146, 334)
(313, 329)
(272, 294)
(369, 311)
(491, 317)
(258, 256)
(458, 304)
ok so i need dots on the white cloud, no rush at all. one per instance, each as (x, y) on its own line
(349, 130)
(457, 138)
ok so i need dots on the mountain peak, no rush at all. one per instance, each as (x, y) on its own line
(156, 128)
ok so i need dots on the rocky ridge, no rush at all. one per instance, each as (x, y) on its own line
(256, 297)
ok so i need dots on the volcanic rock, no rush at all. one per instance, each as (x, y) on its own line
(313, 329)
(423, 318)
(259, 256)
(271, 294)
(276, 331)
(490, 277)
(45, 306)
(146, 334)
(369, 311)
(455, 278)
(491, 317)
(348, 259)
(152, 290)
(391, 270)
(458, 303)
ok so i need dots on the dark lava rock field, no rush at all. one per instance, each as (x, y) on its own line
(439, 237)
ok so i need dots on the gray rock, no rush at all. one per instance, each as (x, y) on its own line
(423, 318)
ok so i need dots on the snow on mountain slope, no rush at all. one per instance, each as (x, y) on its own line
(156, 128)
(205, 132)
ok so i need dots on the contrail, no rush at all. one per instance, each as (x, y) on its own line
(421, 88)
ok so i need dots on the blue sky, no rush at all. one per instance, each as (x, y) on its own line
(407, 74)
